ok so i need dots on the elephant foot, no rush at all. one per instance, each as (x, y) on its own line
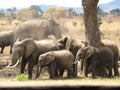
(53, 78)
(30, 77)
(71, 76)
(116, 74)
(86, 75)
(36, 77)
(93, 76)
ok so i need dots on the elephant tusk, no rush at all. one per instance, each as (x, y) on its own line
(13, 65)
(8, 65)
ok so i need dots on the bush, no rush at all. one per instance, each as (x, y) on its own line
(22, 77)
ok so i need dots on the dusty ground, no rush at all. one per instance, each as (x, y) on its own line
(8, 80)
(110, 29)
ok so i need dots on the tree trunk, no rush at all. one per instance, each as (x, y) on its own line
(91, 28)
(90, 20)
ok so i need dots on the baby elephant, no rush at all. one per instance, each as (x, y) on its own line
(56, 61)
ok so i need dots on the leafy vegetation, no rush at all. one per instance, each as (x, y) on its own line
(22, 77)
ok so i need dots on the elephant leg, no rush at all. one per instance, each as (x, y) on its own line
(116, 71)
(56, 73)
(2, 49)
(110, 71)
(93, 70)
(70, 73)
(61, 72)
(86, 66)
(38, 71)
(52, 68)
(23, 64)
(10, 49)
(31, 63)
(75, 70)
(81, 66)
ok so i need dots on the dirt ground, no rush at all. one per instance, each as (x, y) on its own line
(110, 31)
(13, 72)
(8, 80)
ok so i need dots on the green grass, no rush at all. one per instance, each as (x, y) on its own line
(21, 77)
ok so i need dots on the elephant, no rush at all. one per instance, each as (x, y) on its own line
(6, 39)
(115, 50)
(28, 50)
(37, 29)
(69, 43)
(110, 44)
(96, 56)
(56, 60)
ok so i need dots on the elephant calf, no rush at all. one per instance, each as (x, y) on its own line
(56, 60)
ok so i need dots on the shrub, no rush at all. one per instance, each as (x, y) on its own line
(22, 77)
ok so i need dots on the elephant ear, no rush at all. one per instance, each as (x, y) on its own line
(49, 57)
(85, 43)
(30, 46)
(68, 42)
(89, 52)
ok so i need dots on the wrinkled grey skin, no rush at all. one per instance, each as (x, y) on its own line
(37, 29)
(94, 56)
(71, 44)
(6, 39)
(30, 50)
(56, 60)
(115, 50)
(110, 44)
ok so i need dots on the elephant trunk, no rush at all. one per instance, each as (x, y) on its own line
(77, 58)
(39, 68)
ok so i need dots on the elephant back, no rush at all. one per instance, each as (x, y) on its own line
(113, 47)
(36, 29)
(46, 45)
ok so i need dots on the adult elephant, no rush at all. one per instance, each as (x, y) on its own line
(37, 29)
(6, 39)
(56, 61)
(115, 50)
(110, 44)
(71, 44)
(96, 56)
(30, 50)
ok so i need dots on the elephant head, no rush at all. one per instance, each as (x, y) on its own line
(84, 53)
(54, 28)
(22, 49)
(44, 60)
(65, 42)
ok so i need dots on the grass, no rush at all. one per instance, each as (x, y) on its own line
(21, 77)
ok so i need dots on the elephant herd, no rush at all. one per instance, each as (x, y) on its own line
(30, 45)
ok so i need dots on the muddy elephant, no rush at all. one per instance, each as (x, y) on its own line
(29, 50)
(56, 61)
(37, 29)
(69, 43)
(96, 56)
(6, 39)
